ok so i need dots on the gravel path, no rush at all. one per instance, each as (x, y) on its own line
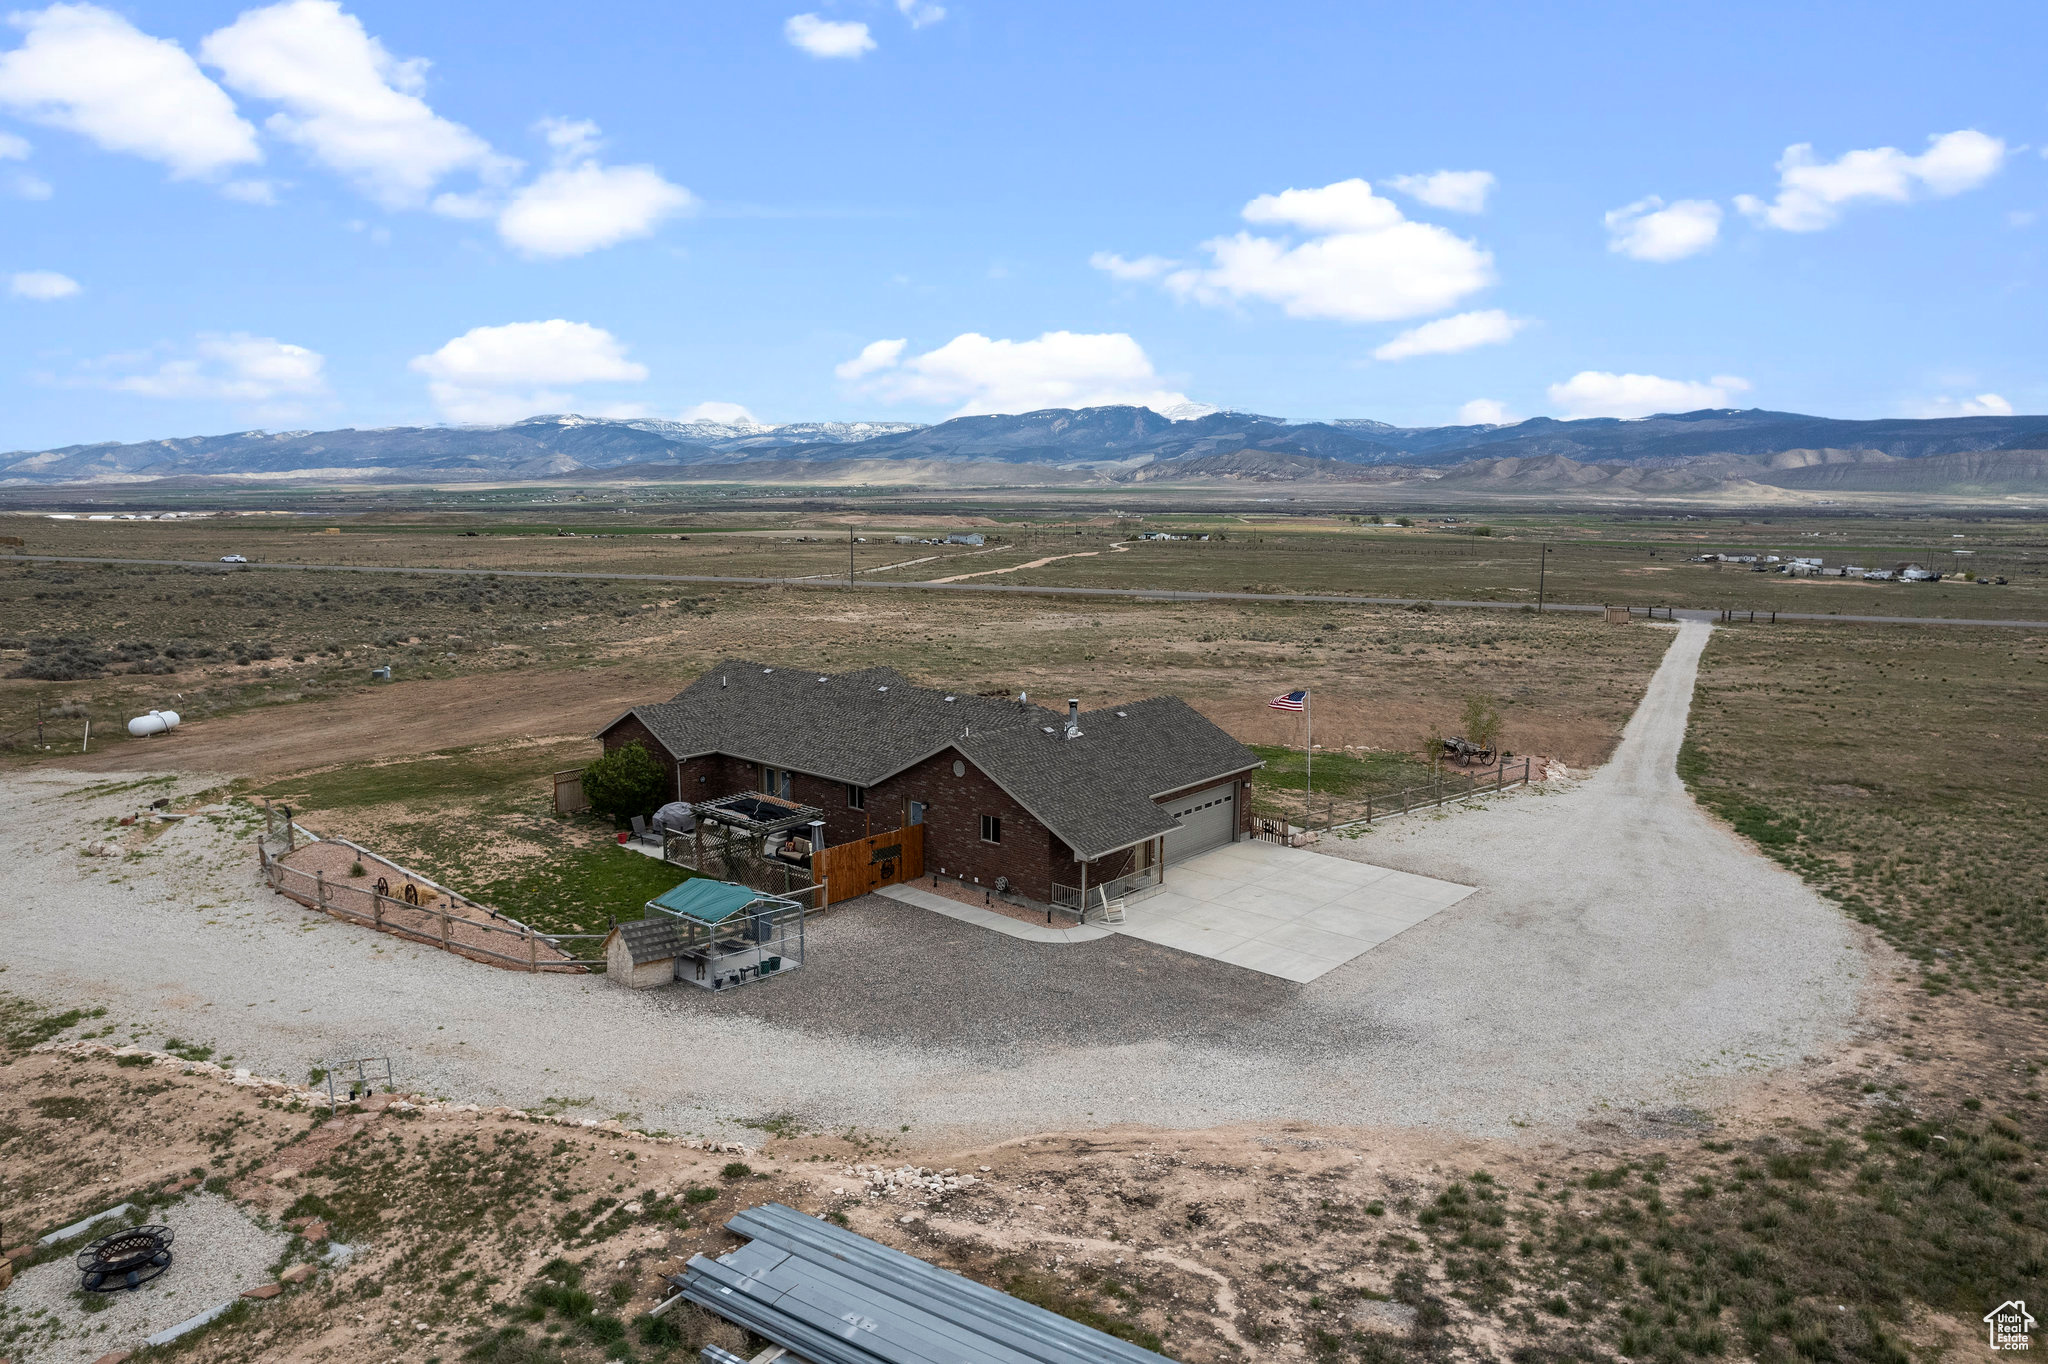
(218, 1253)
(1622, 952)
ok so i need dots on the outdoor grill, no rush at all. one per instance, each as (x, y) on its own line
(125, 1259)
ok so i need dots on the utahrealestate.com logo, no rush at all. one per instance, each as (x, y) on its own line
(2010, 1326)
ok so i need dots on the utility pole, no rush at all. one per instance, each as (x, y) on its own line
(1542, 563)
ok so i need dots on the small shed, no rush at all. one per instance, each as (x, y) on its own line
(642, 955)
(727, 934)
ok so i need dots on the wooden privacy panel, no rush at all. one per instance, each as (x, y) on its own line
(868, 864)
(569, 797)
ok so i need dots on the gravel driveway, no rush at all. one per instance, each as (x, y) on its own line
(1623, 951)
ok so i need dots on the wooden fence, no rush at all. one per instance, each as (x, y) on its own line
(868, 864)
(1331, 812)
(433, 923)
(569, 797)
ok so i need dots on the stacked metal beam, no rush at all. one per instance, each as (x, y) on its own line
(837, 1298)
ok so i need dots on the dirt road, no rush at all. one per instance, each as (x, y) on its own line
(392, 721)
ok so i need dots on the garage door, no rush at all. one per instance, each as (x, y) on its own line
(1207, 820)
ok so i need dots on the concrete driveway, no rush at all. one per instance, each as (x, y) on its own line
(1283, 911)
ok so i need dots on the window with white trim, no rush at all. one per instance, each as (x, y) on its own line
(856, 797)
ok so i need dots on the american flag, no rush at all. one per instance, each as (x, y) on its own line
(1294, 700)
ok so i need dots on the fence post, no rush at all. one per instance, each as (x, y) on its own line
(320, 889)
(445, 917)
(377, 910)
(532, 952)
(1368, 807)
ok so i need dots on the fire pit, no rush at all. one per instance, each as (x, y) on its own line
(125, 1259)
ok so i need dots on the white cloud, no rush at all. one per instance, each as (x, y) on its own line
(1812, 194)
(825, 38)
(89, 71)
(875, 355)
(1450, 335)
(920, 12)
(1649, 229)
(29, 186)
(348, 102)
(1131, 271)
(571, 139)
(1346, 206)
(1059, 369)
(1363, 260)
(13, 148)
(725, 414)
(235, 367)
(1458, 191)
(1596, 393)
(1485, 412)
(500, 374)
(1983, 405)
(250, 191)
(572, 210)
(43, 286)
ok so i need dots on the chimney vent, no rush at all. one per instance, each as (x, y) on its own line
(1073, 718)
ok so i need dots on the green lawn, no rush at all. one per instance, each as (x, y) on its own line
(1340, 774)
(581, 890)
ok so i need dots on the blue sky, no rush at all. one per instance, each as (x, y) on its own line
(315, 214)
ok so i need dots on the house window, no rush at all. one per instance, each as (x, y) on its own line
(917, 812)
(775, 781)
(856, 797)
(991, 828)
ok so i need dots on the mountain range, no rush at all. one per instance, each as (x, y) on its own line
(1667, 453)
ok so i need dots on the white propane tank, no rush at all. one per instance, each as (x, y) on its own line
(156, 722)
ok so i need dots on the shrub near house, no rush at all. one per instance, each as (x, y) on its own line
(623, 782)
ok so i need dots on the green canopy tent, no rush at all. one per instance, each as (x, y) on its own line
(733, 934)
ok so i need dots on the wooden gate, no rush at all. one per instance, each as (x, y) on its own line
(569, 797)
(868, 864)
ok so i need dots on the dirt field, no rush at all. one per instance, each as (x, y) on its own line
(1591, 560)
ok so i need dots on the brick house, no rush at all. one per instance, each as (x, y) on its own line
(1006, 790)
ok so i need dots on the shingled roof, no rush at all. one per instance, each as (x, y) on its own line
(858, 727)
(650, 940)
(1098, 792)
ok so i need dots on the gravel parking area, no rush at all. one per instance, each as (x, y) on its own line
(1622, 951)
(218, 1252)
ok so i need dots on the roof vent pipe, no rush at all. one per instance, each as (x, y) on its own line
(1073, 718)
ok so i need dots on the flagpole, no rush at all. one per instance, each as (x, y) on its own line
(1308, 714)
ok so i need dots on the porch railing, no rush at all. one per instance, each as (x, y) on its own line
(1135, 886)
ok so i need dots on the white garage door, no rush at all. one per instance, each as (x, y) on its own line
(1207, 820)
